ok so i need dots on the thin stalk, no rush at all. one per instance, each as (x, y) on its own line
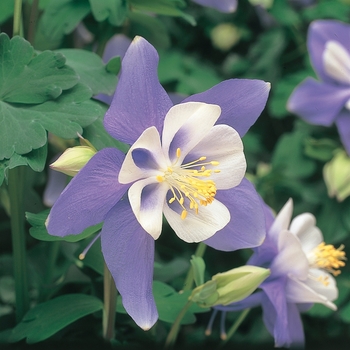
(17, 15)
(110, 302)
(235, 326)
(188, 285)
(33, 18)
(171, 338)
(16, 190)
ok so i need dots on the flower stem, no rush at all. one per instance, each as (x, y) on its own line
(16, 190)
(235, 326)
(171, 338)
(188, 285)
(110, 302)
(17, 14)
(33, 18)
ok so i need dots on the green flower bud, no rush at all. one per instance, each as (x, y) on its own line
(73, 159)
(228, 287)
(336, 174)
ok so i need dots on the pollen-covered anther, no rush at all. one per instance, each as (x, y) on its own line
(189, 183)
(329, 258)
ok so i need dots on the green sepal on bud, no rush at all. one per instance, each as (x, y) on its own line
(229, 287)
(336, 174)
(75, 158)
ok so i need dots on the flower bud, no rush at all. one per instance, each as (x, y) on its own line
(224, 36)
(229, 287)
(73, 159)
(336, 174)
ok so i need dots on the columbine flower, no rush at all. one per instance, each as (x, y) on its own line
(327, 101)
(219, 5)
(301, 267)
(179, 164)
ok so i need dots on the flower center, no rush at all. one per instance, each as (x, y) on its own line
(189, 183)
(328, 258)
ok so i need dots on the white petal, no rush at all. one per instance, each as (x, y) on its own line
(149, 141)
(291, 258)
(197, 227)
(330, 291)
(224, 145)
(147, 199)
(185, 125)
(310, 236)
(336, 61)
(300, 292)
(282, 220)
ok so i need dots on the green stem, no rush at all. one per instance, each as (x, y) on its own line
(16, 190)
(110, 302)
(188, 285)
(33, 18)
(171, 338)
(17, 14)
(235, 326)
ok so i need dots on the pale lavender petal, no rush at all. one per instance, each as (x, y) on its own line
(295, 326)
(139, 101)
(241, 101)
(129, 254)
(89, 196)
(226, 6)
(276, 311)
(246, 228)
(318, 103)
(343, 125)
(320, 32)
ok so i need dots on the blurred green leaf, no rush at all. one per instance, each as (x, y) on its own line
(282, 90)
(6, 10)
(170, 303)
(320, 149)
(288, 156)
(39, 231)
(62, 16)
(284, 13)
(113, 10)
(327, 9)
(163, 7)
(91, 70)
(48, 318)
(114, 64)
(149, 27)
(165, 272)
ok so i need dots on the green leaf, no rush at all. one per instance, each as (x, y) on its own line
(163, 7)
(91, 70)
(48, 318)
(62, 16)
(327, 9)
(39, 231)
(24, 126)
(6, 10)
(284, 13)
(113, 10)
(29, 78)
(114, 64)
(94, 258)
(170, 303)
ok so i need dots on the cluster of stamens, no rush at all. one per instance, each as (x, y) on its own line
(186, 182)
(326, 257)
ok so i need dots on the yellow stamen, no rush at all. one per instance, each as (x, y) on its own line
(188, 184)
(328, 258)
